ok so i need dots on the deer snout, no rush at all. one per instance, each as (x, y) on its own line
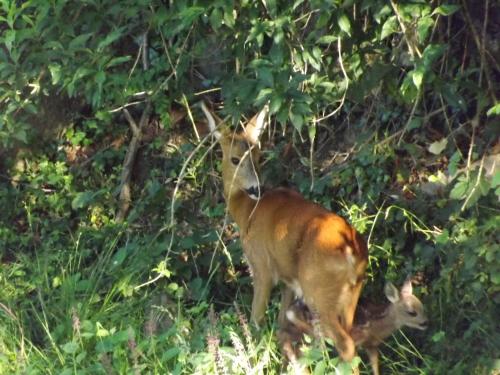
(253, 192)
(423, 325)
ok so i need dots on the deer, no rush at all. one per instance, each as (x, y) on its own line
(314, 253)
(372, 324)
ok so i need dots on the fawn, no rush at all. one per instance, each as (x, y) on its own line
(316, 254)
(372, 324)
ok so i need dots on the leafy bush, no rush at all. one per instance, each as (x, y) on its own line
(385, 112)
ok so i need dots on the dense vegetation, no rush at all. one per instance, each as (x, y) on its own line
(115, 253)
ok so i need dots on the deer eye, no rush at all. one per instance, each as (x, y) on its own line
(235, 161)
(412, 313)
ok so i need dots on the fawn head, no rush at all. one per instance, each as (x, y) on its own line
(240, 153)
(409, 311)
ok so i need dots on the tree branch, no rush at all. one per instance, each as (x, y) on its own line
(128, 163)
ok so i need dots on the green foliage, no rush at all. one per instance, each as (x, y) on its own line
(385, 112)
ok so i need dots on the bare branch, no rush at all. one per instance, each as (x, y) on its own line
(128, 163)
(131, 121)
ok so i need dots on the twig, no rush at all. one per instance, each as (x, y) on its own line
(190, 115)
(412, 113)
(312, 136)
(145, 55)
(128, 163)
(412, 48)
(135, 129)
(471, 147)
(480, 45)
(479, 175)
(121, 108)
(339, 45)
(174, 67)
(171, 224)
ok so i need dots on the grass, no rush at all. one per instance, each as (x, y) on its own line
(75, 312)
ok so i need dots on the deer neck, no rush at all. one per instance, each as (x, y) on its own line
(240, 206)
(377, 328)
(387, 324)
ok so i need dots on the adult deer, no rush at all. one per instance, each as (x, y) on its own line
(316, 254)
(372, 324)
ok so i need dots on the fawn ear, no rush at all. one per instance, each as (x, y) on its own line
(211, 121)
(391, 292)
(407, 289)
(256, 125)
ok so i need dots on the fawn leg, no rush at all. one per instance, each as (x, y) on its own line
(286, 300)
(373, 355)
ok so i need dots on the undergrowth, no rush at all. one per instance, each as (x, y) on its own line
(116, 253)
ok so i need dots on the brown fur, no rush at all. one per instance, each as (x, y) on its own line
(316, 253)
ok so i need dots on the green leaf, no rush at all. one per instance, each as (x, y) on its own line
(100, 77)
(215, 18)
(415, 123)
(423, 27)
(327, 39)
(438, 336)
(79, 41)
(10, 36)
(70, 347)
(408, 89)
(453, 98)
(459, 191)
(55, 72)
(320, 368)
(275, 105)
(117, 61)
(446, 9)
(264, 95)
(83, 199)
(229, 19)
(443, 238)
(495, 181)
(265, 75)
(187, 17)
(297, 121)
(169, 354)
(110, 38)
(119, 257)
(80, 357)
(389, 27)
(495, 278)
(494, 111)
(344, 24)
(417, 77)
(484, 186)
(431, 53)
(20, 134)
(453, 163)
(437, 147)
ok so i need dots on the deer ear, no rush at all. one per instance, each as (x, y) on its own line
(391, 292)
(211, 121)
(256, 125)
(407, 289)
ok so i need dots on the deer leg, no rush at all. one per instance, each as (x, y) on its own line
(287, 348)
(330, 324)
(350, 306)
(262, 285)
(373, 356)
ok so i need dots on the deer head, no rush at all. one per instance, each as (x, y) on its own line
(240, 154)
(408, 310)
